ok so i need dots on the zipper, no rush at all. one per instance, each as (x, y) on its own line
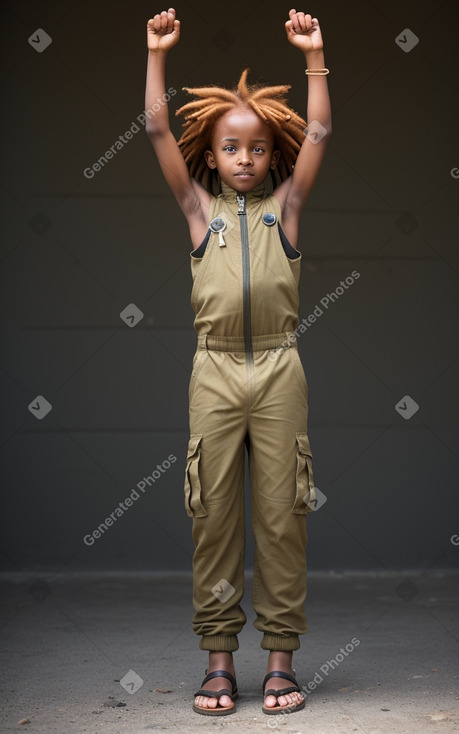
(242, 213)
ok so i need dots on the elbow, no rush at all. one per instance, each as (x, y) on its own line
(153, 130)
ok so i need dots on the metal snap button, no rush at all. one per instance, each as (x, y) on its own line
(217, 225)
(269, 219)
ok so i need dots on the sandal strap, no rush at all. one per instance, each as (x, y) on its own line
(221, 674)
(281, 691)
(280, 674)
(214, 694)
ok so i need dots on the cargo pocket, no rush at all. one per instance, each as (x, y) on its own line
(305, 498)
(193, 503)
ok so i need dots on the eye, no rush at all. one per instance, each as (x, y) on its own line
(229, 148)
(259, 150)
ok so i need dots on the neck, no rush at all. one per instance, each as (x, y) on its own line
(228, 193)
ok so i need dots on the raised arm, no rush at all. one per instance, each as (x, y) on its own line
(304, 33)
(163, 32)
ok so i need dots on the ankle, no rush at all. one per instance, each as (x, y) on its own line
(280, 660)
(220, 661)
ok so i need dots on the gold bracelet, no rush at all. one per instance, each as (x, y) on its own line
(317, 72)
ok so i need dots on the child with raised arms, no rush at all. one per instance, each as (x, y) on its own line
(248, 390)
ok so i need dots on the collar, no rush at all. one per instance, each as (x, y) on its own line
(229, 194)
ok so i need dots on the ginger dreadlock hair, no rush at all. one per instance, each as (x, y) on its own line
(268, 103)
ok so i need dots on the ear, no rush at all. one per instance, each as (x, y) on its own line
(210, 160)
(275, 158)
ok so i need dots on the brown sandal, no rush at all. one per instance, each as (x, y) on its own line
(219, 710)
(289, 708)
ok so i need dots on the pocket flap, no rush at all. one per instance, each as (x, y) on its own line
(305, 489)
(303, 444)
(193, 443)
(192, 485)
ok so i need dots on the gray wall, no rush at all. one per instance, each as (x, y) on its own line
(77, 251)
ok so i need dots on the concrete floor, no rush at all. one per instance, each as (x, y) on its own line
(67, 642)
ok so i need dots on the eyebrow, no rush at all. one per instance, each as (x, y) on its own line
(255, 140)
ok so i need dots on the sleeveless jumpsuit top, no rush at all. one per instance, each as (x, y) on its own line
(244, 283)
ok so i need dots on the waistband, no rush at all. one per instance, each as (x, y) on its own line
(284, 340)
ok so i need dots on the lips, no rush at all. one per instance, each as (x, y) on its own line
(245, 174)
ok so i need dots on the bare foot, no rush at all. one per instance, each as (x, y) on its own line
(217, 661)
(281, 661)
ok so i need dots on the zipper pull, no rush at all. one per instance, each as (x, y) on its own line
(240, 198)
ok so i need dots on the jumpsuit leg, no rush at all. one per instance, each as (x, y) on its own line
(280, 477)
(215, 478)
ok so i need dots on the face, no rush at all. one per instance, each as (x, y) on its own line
(242, 149)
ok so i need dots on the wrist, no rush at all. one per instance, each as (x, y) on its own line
(315, 59)
(157, 52)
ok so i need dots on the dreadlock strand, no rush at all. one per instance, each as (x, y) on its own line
(199, 103)
(257, 110)
(242, 88)
(271, 91)
(213, 112)
(211, 91)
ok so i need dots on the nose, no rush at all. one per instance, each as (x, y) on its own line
(245, 158)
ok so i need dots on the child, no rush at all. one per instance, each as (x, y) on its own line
(247, 387)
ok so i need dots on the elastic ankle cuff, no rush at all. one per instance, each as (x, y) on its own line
(220, 643)
(277, 642)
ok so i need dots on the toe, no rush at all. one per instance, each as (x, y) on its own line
(205, 702)
(225, 701)
(270, 701)
(292, 699)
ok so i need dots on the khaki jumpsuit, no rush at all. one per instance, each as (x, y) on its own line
(248, 389)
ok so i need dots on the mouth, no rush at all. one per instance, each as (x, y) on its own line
(244, 174)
